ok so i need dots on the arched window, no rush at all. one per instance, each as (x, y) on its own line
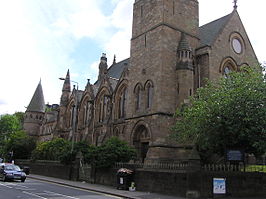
(149, 93)
(70, 115)
(226, 71)
(103, 107)
(84, 114)
(228, 65)
(122, 103)
(138, 98)
(116, 132)
(101, 110)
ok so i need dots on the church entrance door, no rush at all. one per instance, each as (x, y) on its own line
(141, 142)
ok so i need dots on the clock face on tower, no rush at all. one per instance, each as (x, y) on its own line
(237, 46)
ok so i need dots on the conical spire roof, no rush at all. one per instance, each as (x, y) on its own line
(183, 44)
(37, 101)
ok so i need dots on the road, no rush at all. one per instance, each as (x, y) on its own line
(34, 189)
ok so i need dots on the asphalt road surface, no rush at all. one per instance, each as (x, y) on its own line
(34, 189)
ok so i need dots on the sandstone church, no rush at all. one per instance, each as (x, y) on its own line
(135, 99)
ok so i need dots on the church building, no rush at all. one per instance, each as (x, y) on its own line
(135, 99)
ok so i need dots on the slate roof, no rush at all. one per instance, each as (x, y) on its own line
(116, 70)
(183, 44)
(37, 101)
(210, 31)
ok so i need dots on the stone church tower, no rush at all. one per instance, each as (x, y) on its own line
(163, 35)
(35, 113)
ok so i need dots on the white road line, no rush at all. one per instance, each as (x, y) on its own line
(58, 194)
(6, 186)
(25, 189)
(32, 194)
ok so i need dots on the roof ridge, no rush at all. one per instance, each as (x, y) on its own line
(118, 62)
(210, 31)
(216, 20)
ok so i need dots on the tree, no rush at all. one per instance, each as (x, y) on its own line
(51, 150)
(20, 144)
(8, 125)
(20, 117)
(112, 151)
(228, 113)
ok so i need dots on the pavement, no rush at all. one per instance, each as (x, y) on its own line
(104, 189)
(113, 191)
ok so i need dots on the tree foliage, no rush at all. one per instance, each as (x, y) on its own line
(51, 150)
(230, 113)
(20, 144)
(9, 124)
(112, 151)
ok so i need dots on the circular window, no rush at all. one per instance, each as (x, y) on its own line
(237, 46)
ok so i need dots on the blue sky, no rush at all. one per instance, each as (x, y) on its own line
(44, 38)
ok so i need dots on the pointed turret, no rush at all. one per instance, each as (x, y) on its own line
(37, 101)
(184, 54)
(102, 66)
(184, 67)
(35, 113)
(66, 90)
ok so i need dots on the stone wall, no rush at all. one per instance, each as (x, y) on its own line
(48, 168)
(172, 182)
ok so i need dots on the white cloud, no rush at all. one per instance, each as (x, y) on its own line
(119, 43)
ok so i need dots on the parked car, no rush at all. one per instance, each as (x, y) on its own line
(11, 172)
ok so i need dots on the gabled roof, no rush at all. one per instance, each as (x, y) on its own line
(37, 101)
(114, 73)
(210, 31)
(116, 69)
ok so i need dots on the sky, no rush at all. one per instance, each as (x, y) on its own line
(42, 39)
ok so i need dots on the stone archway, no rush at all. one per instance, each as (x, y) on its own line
(141, 140)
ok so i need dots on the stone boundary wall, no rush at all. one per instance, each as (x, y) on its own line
(179, 183)
(47, 168)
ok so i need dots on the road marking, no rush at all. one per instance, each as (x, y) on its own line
(32, 194)
(58, 194)
(79, 188)
(6, 186)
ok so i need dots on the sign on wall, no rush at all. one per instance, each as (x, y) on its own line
(235, 155)
(219, 185)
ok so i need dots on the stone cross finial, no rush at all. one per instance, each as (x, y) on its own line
(235, 4)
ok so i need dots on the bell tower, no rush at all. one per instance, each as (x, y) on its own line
(158, 31)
